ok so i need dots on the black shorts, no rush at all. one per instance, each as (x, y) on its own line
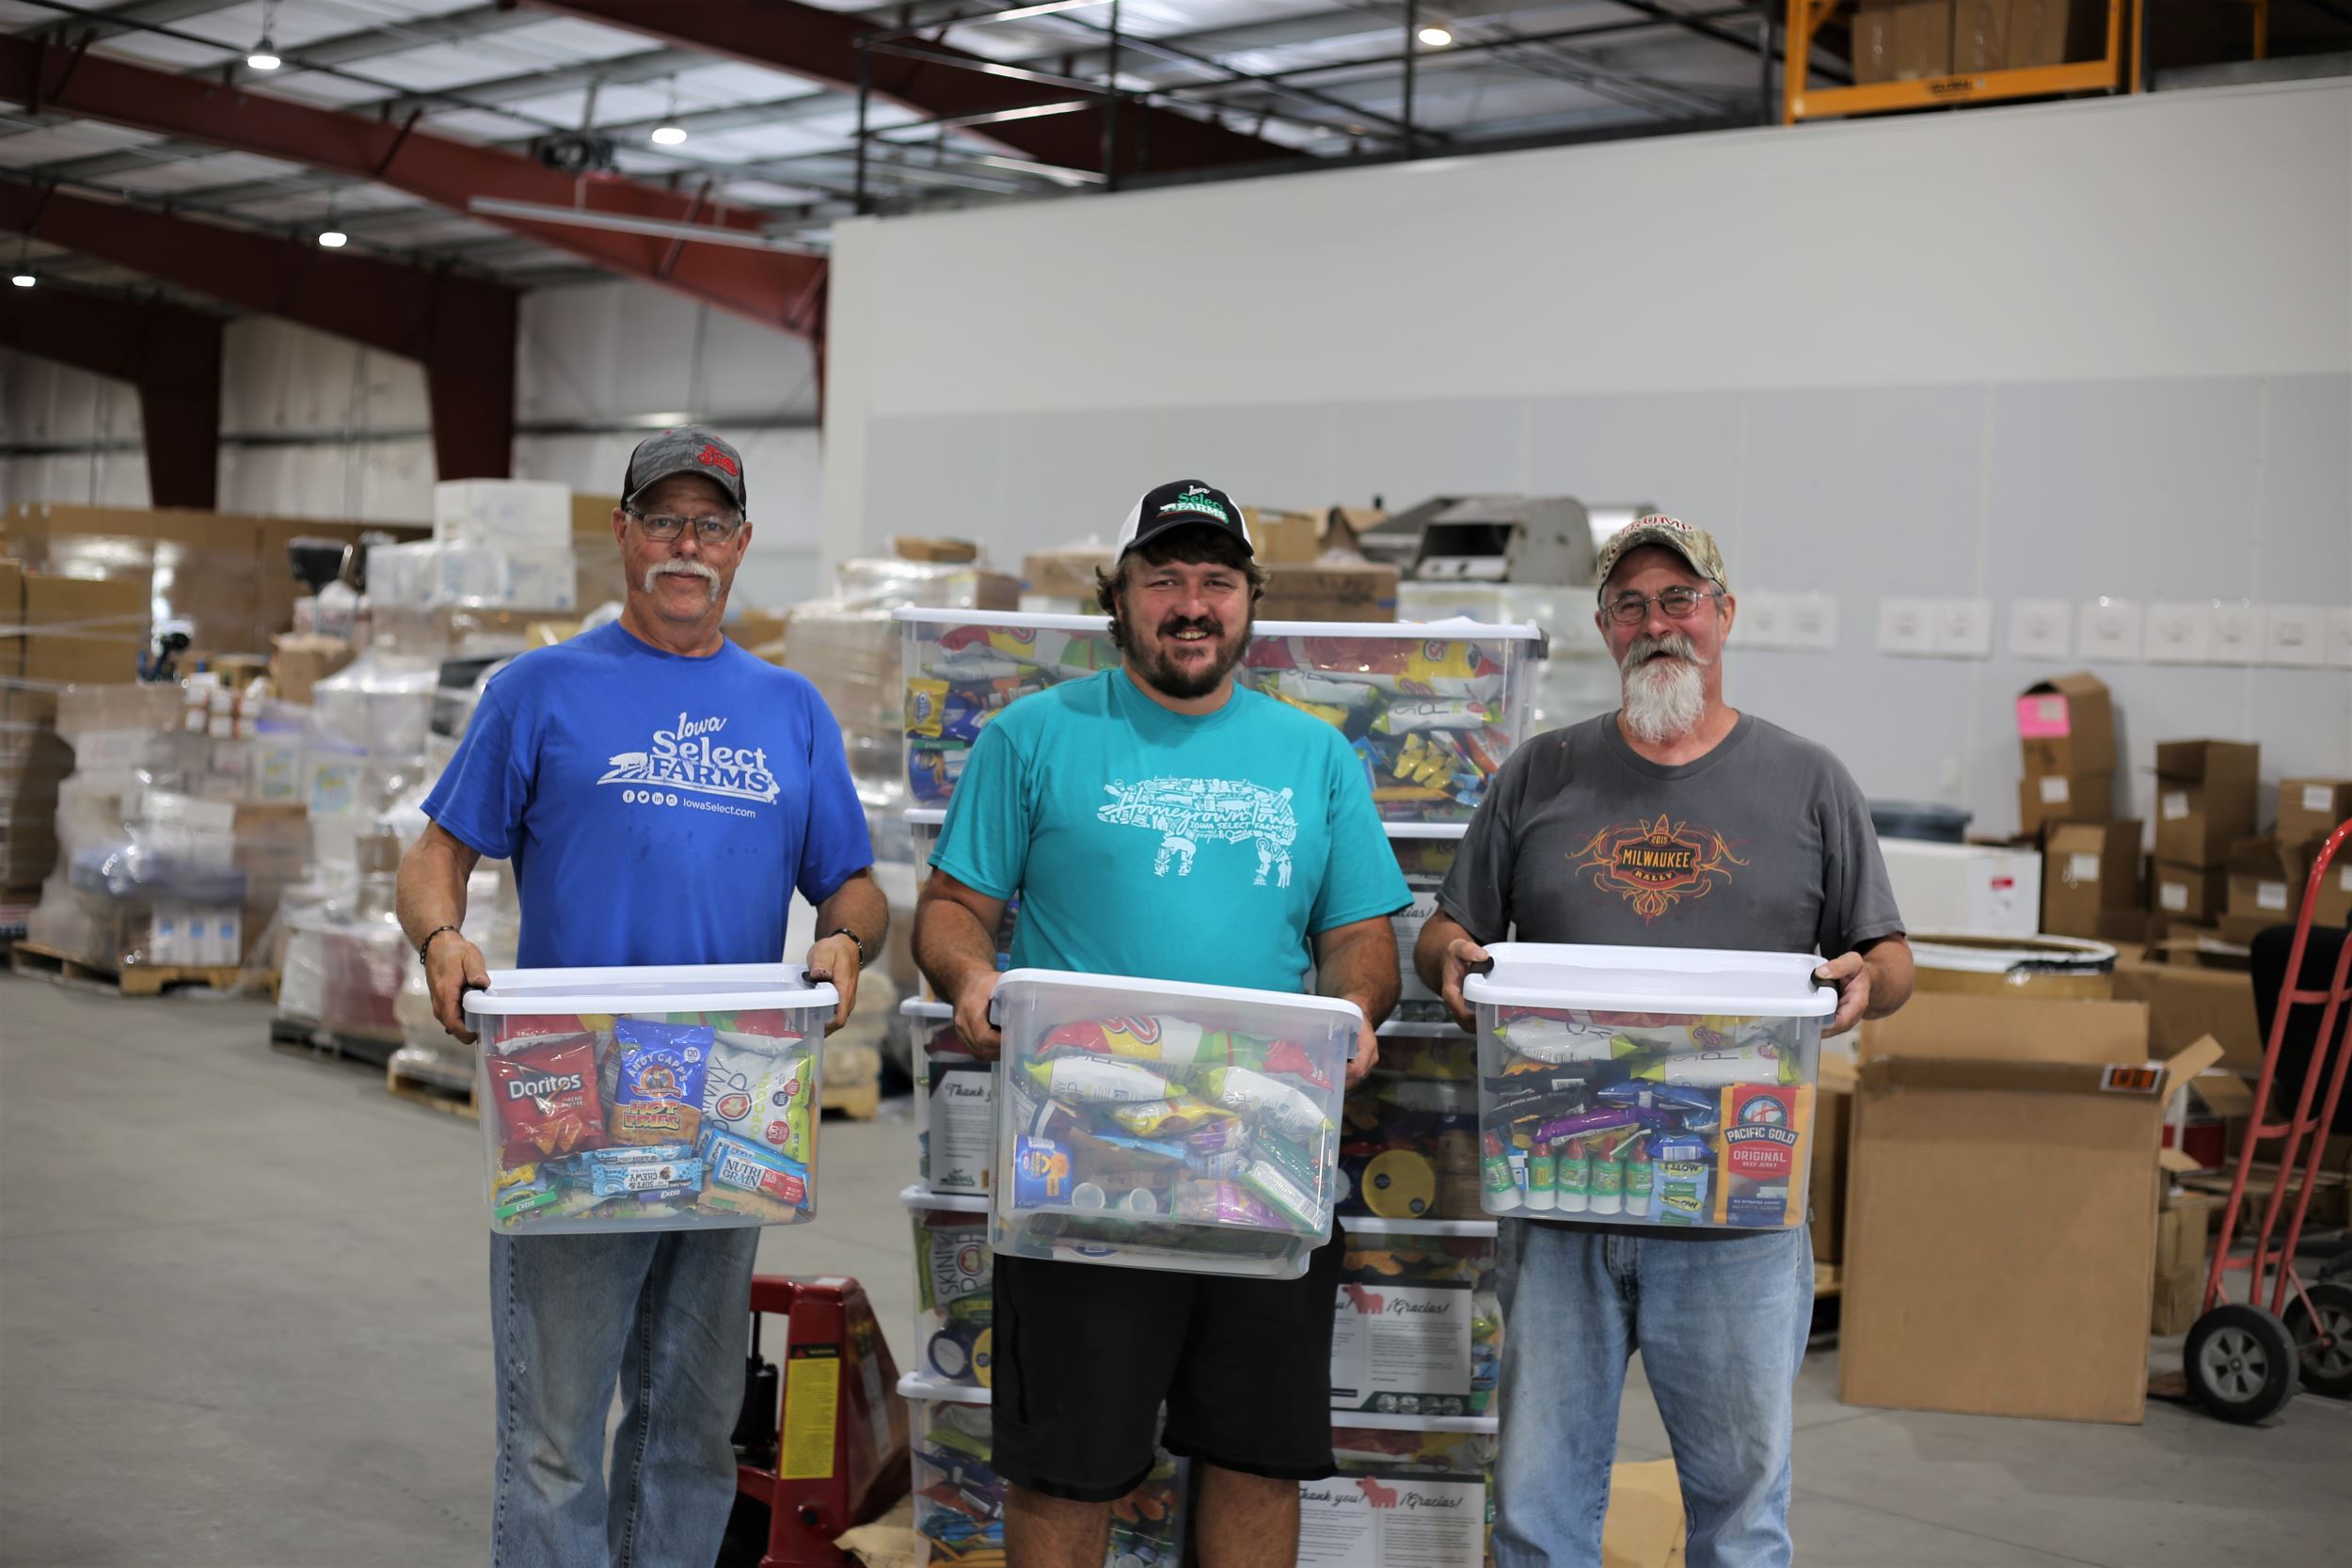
(1086, 1354)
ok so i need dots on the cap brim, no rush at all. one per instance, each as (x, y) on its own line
(1152, 527)
(696, 469)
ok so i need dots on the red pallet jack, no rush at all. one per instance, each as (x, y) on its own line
(835, 1456)
(2243, 1357)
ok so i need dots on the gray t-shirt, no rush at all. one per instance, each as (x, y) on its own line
(1763, 843)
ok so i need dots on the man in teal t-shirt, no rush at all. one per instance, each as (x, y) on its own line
(1159, 820)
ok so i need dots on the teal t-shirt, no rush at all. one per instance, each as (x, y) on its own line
(1206, 848)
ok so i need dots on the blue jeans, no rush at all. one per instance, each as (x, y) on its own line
(665, 1317)
(1722, 1326)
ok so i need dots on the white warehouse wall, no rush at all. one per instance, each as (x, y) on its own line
(2051, 352)
(590, 358)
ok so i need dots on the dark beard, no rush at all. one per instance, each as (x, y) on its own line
(1162, 676)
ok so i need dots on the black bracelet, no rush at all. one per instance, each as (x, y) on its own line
(424, 948)
(854, 940)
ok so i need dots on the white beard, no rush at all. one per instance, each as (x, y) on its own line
(1665, 700)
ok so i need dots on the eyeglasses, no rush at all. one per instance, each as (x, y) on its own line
(663, 526)
(1680, 604)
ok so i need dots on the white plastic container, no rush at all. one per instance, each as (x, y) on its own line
(958, 1501)
(663, 1097)
(955, 1104)
(1221, 1107)
(954, 1281)
(1417, 1329)
(1434, 709)
(1660, 1084)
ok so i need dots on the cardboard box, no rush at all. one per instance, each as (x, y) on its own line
(303, 660)
(1833, 1143)
(2205, 798)
(1326, 590)
(2187, 1003)
(2189, 892)
(2265, 885)
(2053, 798)
(2052, 32)
(1905, 41)
(2088, 870)
(1277, 535)
(2175, 1303)
(953, 552)
(2001, 1214)
(2066, 728)
(1066, 574)
(1645, 1524)
(2311, 809)
(2333, 904)
(77, 630)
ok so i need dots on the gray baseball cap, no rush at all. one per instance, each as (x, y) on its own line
(685, 449)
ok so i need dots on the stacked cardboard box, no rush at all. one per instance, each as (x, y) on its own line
(1907, 40)
(2066, 731)
(2183, 1232)
(2310, 809)
(2090, 881)
(2204, 808)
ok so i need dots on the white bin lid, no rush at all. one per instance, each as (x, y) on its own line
(1459, 628)
(1424, 830)
(925, 816)
(916, 1196)
(1153, 990)
(922, 1389)
(649, 989)
(915, 1006)
(1372, 1224)
(1702, 980)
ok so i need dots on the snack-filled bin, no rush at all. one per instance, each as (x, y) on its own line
(1409, 1490)
(1660, 1084)
(663, 1097)
(1408, 1132)
(1156, 1124)
(960, 1502)
(963, 667)
(1417, 1327)
(955, 1282)
(955, 1103)
(1424, 853)
(1433, 709)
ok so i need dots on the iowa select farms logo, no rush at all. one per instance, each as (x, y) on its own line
(1655, 865)
(689, 756)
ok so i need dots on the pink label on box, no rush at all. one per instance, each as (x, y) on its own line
(2041, 718)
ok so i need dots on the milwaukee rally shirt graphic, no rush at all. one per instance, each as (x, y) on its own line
(1655, 864)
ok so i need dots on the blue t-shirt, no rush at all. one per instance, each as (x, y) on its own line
(1172, 846)
(658, 809)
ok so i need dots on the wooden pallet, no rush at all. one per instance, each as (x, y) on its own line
(432, 1093)
(858, 1100)
(306, 1039)
(140, 980)
(1828, 1281)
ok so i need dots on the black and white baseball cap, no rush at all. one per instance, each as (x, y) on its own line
(1181, 504)
(685, 449)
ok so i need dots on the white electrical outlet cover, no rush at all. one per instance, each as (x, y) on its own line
(1813, 622)
(1907, 627)
(2295, 634)
(2238, 634)
(2178, 633)
(2340, 641)
(2109, 629)
(2041, 628)
(1763, 619)
(1963, 628)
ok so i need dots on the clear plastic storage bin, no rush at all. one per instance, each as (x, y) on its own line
(1408, 1132)
(1409, 1490)
(1433, 709)
(1630, 1084)
(1417, 1329)
(955, 1282)
(1161, 1125)
(1426, 852)
(960, 1502)
(663, 1097)
(955, 1103)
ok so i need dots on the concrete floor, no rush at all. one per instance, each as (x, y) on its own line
(243, 1322)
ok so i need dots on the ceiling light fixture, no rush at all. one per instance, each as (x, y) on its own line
(1436, 35)
(333, 239)
(264, 56)
(22, 279)
(670, 132)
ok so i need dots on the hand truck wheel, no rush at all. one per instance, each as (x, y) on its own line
(2240, 1362)
(2327, 1370)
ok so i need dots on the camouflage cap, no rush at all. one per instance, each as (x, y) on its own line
(684, 450)
(1694, 544)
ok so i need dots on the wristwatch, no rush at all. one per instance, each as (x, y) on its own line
(855, 941)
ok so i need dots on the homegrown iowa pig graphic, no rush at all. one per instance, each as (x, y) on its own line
(1188, 813)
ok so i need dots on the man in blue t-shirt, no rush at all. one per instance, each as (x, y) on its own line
(1157, 821)
(660, 793)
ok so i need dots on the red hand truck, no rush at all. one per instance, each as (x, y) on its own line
(2243, 1357)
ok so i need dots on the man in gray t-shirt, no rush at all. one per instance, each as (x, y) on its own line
(1673, 822)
